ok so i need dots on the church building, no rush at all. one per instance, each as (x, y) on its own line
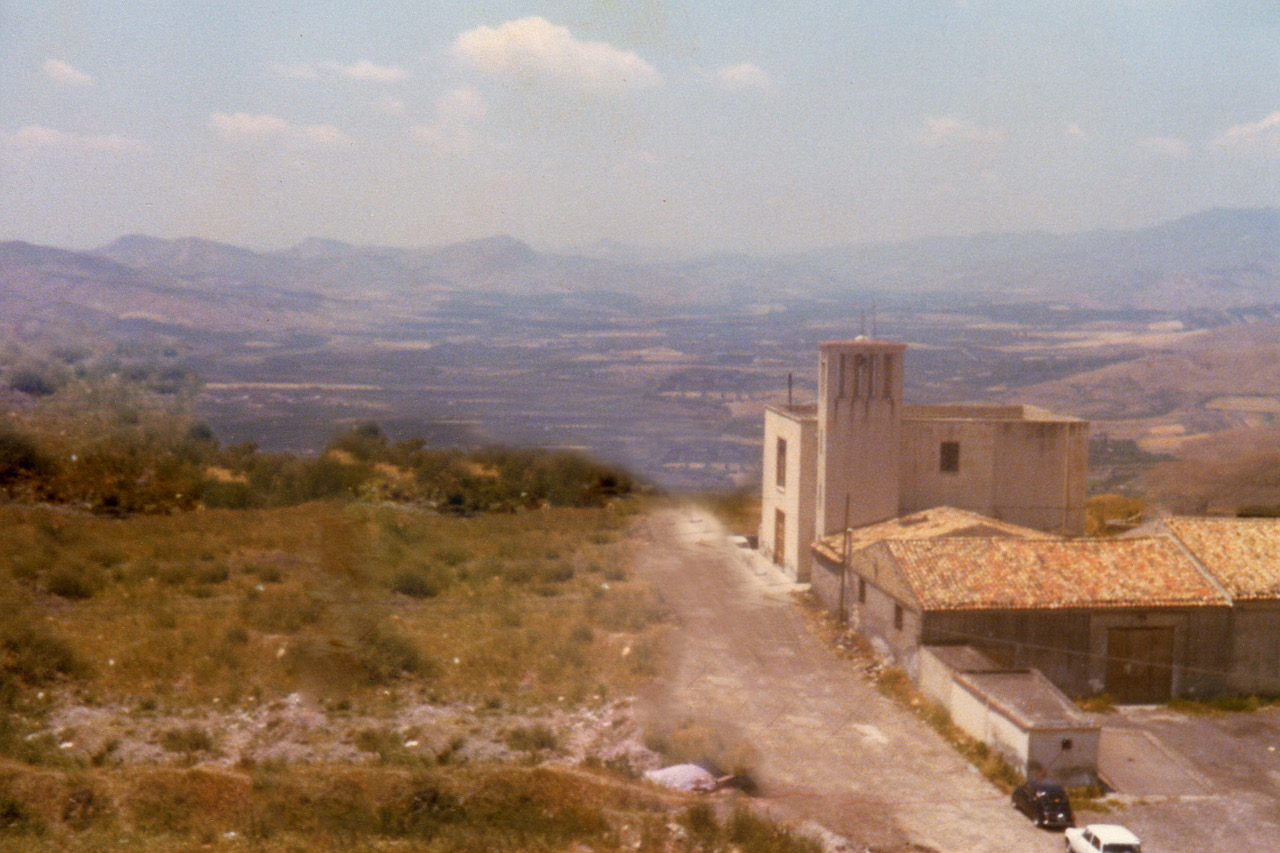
(861, 456)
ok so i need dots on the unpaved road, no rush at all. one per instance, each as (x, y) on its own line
(829, 747)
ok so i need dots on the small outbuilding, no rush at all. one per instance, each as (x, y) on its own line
(1019, 713)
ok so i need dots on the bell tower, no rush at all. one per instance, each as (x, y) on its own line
(859, 432)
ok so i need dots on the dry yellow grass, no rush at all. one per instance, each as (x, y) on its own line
(343, 601)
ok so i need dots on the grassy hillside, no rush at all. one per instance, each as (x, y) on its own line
(384, 646)
(341, 599)
(458, 663)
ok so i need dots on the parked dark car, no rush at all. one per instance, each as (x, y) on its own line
(1045, 803)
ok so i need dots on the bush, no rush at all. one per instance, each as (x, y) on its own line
(20, 458)
(751, 834)
(36, 383)
(189, 739)
(415, 583)
(376, 654)
(31, 654)
(532, 738)
(69, 583)
(385, 653)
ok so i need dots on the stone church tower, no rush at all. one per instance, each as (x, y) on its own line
(859, 432)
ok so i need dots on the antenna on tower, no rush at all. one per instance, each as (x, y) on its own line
(789, 390)
(873, 322)
(862, 325)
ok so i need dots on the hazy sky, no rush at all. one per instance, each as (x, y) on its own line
(746, 126)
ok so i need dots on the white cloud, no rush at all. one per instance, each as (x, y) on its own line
(743, 77)
(534, 48)
(34, 137)
(454, 125)
(1164, 146)
(950, 131)
(62, 72)
(369, 71)
(1263, 134)
(244, 127)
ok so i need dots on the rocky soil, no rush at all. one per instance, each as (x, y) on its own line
(298, 729)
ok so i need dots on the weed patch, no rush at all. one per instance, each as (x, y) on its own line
(188, 740)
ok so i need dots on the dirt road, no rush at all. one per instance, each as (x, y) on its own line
(829, 747)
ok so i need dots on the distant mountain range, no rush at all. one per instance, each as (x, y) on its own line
(1216, 259)
(661, 363)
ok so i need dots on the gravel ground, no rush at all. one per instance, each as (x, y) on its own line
(1190, 783)
(827, 747)
(295, 729)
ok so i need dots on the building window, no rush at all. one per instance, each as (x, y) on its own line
(1067, 744)
(862, 590)
(949, 457)
(897, 617)
(781, 463)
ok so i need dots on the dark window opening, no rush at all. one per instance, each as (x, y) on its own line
(1066, 744)
(949, 457)
(897, 617)
(782, 463)
(862, 590)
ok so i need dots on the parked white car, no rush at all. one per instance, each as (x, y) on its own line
(1102, 838)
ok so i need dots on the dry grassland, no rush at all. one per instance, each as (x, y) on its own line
(472, 672)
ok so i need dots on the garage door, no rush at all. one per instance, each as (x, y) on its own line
(1140, 665)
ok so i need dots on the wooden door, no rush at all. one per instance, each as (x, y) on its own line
(779, 537)
(1140, 665)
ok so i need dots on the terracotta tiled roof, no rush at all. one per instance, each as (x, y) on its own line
(943, 521)
(1242, 553)
(1047, 574)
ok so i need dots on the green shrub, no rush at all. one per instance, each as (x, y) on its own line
(20, 457)
(69, 583)
(751, 834)
(36, 383)
(416, 583)
(188, 739)
(31, 654)
(532, 738)
(389, 746)
(385, 653)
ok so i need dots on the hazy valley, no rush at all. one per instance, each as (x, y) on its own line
(1162, 336)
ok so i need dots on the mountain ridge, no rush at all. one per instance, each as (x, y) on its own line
(1215, 259)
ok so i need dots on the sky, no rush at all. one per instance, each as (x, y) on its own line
(689, 125)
